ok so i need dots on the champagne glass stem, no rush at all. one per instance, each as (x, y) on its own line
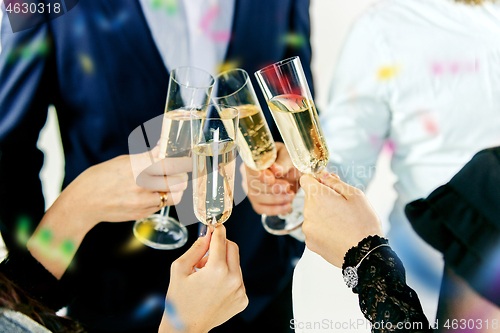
(165, 211)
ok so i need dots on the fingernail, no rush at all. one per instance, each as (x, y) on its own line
(203, 231)
(325, 174)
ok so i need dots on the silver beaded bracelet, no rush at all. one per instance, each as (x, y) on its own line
(351, 273)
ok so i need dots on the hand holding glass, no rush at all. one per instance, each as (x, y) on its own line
(187, 87)
(288, 96)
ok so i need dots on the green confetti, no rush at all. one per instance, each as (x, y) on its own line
(67, 247)
(294, 40)
(170, 6)
(44, 48)
(23, 229)
(45, 236)
(156, 4)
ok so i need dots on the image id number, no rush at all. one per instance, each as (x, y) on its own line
(25, 8)
(471, 324)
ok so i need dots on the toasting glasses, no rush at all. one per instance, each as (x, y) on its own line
(213, 137)
(257, 148)
(287, 93)
(187, 87)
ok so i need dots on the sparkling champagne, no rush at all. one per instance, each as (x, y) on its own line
(256, 144)
(299, 126)
(214, 166)
(175, 138)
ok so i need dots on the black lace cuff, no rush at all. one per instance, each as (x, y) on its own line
(384, 297)
(31, 276)
(355, 254)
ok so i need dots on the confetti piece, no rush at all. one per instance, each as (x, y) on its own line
(151, 304)
(389, 147)
(222, 36)
(144, 231)
(206, 25)
(45, 236)
(132, 245)
(67, 247)
(293, 40)
(171, 313)
(170, 6)
(387, 72)
(86, 63)
(39, 48)
(437, 69)
(455, 67)
(23, 230)
(227, 65)
(210, 15)
(430, 124)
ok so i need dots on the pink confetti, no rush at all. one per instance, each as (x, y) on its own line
(223, 36)
(437, 69)
(389, 147)
(206, 23)
(207, 19)
(428, 121)
(455, 68)
(430, 124)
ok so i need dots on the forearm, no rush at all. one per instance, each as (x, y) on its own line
(384, 297)
(58, 236)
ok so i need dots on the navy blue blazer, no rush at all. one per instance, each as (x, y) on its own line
(99, 66)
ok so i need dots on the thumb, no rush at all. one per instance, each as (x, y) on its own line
(329, 179)
(308, 182)
(184, 265)
(333, 181)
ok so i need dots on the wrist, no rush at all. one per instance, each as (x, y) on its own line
(357, 256)
(354, 255)
(167, 326)
(58, 237)
(66, 218)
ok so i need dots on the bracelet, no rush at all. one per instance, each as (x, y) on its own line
(351, 273)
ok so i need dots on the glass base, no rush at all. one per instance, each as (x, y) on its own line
(160, 232)
(285, 224)
(280, 225)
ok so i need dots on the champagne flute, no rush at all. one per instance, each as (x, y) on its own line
(256, 144)
(213, 137)
(288, 96)
(257, 148)
(188, 86)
